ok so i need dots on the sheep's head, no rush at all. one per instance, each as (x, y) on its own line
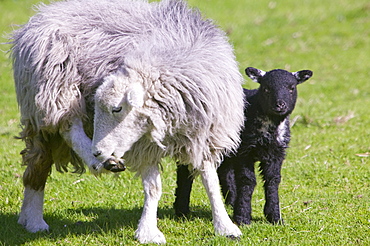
(278, 89)
(118, 121)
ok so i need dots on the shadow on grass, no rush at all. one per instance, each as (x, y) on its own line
(101, 221)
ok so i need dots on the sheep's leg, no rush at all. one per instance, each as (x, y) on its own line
(39, 161)
(31, 215)
(147, 231)
(272, 177)
(183, 190)
(227, 180)
(221, 221)
(245, 182)
(76, 137)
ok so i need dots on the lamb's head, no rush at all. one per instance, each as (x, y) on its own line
(278, 89)
(118, 121)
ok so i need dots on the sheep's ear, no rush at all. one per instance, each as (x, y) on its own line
(254, 73)
(302, 75)
(135, 96)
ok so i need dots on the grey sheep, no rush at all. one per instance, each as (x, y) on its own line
(153, 76)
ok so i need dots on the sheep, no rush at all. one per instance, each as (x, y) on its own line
(112, 84)
(265, 137)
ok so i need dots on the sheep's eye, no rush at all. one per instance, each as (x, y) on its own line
(266, 90)
(116, 109)
(292, 89)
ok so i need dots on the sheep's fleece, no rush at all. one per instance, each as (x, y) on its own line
(158, 64)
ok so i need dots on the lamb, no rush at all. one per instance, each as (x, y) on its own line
(152, 76)
(265, 137)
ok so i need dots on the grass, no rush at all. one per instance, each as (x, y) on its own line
(325, 188)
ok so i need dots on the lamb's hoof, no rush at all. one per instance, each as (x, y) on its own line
(277, 222)
(114, 165)
(241, 221)
(182, 214)
(181, 211)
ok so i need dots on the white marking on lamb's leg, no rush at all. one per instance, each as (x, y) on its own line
(31, 216)
(221, 220)
(147, 231)
(82, 145)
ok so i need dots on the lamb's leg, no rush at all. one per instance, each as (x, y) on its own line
(221, 220)
(272, 177)
(147, 231)
(76, 137)
(183, 190)
(39, 161)
(227, 180)
(245, 182)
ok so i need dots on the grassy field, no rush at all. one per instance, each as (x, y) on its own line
(324, 193)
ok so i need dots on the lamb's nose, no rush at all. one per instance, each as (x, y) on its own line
(97, 153)
(281, 104)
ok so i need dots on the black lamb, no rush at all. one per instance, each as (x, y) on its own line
(265, 137)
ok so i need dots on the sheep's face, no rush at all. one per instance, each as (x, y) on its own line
(118, 121)
(278, 89)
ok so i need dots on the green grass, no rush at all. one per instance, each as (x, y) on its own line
(324, 193)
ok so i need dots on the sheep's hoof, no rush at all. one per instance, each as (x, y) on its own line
(234, 238)
(114, 165)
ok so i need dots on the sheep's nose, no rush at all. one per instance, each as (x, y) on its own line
(97, 153)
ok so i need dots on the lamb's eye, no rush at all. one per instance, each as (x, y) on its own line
(266, 90)
(116, 109)
(292, 89)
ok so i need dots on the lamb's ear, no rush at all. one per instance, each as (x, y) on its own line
(254, 73)
(135, 96)
(302, 75)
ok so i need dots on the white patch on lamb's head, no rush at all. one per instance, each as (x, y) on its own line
(118, 120)
(254, 73)
(302, 75)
